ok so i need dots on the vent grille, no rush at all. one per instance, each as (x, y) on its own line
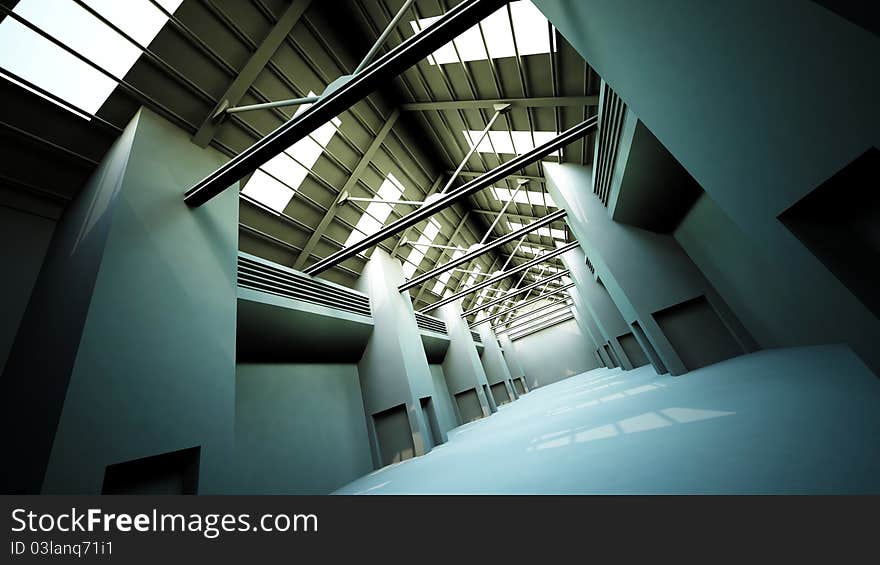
(476, 337)
(611, 112)
(274, 279)
(590, 265)
(430, 323)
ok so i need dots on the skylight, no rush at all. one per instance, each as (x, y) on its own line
(530, 32)
(419, 249)
(376, 213)
(28, 55)
(274, 184)
(443, 279)
(546, 232)
(514, 142)
(533, 197)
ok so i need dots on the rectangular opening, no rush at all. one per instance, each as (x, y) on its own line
(468, 405)
(431, 415)
(697, 334)
(520, 387)
(500, 394)
(175, 472)
(611, 357)
(642, 338)
(394, 434)
(633, 350)
(839, 222)
(491, 401)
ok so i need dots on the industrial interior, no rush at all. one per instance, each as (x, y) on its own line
(439, 247)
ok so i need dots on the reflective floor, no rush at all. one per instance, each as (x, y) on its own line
(803, 420)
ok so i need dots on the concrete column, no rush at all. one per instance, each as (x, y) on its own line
(493, 359)
(462, 365)
(394, 368)
(513, 364)
(650, 279)
(136, 303)
(596, 300)
(588, 326)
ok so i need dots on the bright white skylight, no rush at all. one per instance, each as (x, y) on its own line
(376, 212)
(533, 197)
(530, 30)
(418, 250)
(545, 231)
(290, 168)
(525, 248)
(443, 279)
(30, 56)
(511, 142)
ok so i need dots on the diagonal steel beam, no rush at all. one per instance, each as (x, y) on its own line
(460, 193)
(251, 69)
(353, 179)
(470, 256)
(514, 292)
(526, 319)
(564, 317)
(538, 102)
(500, 276)
(457, 20)
(521, 305)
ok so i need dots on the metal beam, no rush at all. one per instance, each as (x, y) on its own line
(513, 292)
(471, 255)
(461, 225)
(515, 102)
(474, 174)
(548, 324)
(353, 179)
(251, 69)
(457, 20)
(555, 308)
(460, 193)
(522, 305)
(499, 277)
(522, 217)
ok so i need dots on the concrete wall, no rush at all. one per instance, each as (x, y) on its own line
(299, 429)
(753, 148)
(462, 366)
(554, 354)
(136, 301)
(26, 234)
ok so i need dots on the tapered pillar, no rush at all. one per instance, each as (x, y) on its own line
(127, 347)
(394, 373)
(513, 364)
(497, 373)
(465, 376)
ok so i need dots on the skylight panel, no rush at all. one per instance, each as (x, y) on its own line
(376, 213)
(417, 253)
(545, 231)
(38, 60)
(530, 29)
(443, 279)
(308, 149)
(514, 142)
(268, 191)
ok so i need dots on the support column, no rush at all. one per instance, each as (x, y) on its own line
(394, 371)
(601, 307)
(513, 364)
(650, 279)
(462, 367)
(493, 361)
(136, 303)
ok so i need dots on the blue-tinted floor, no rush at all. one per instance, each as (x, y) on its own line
(804, 420)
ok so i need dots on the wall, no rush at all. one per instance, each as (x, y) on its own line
(299, 429)
(26, 235)
(554, 354)
(760, 147)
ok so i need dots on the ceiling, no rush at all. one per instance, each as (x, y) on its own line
(209, 50)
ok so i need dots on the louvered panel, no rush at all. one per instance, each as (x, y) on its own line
(260, 275)
(430, 323)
